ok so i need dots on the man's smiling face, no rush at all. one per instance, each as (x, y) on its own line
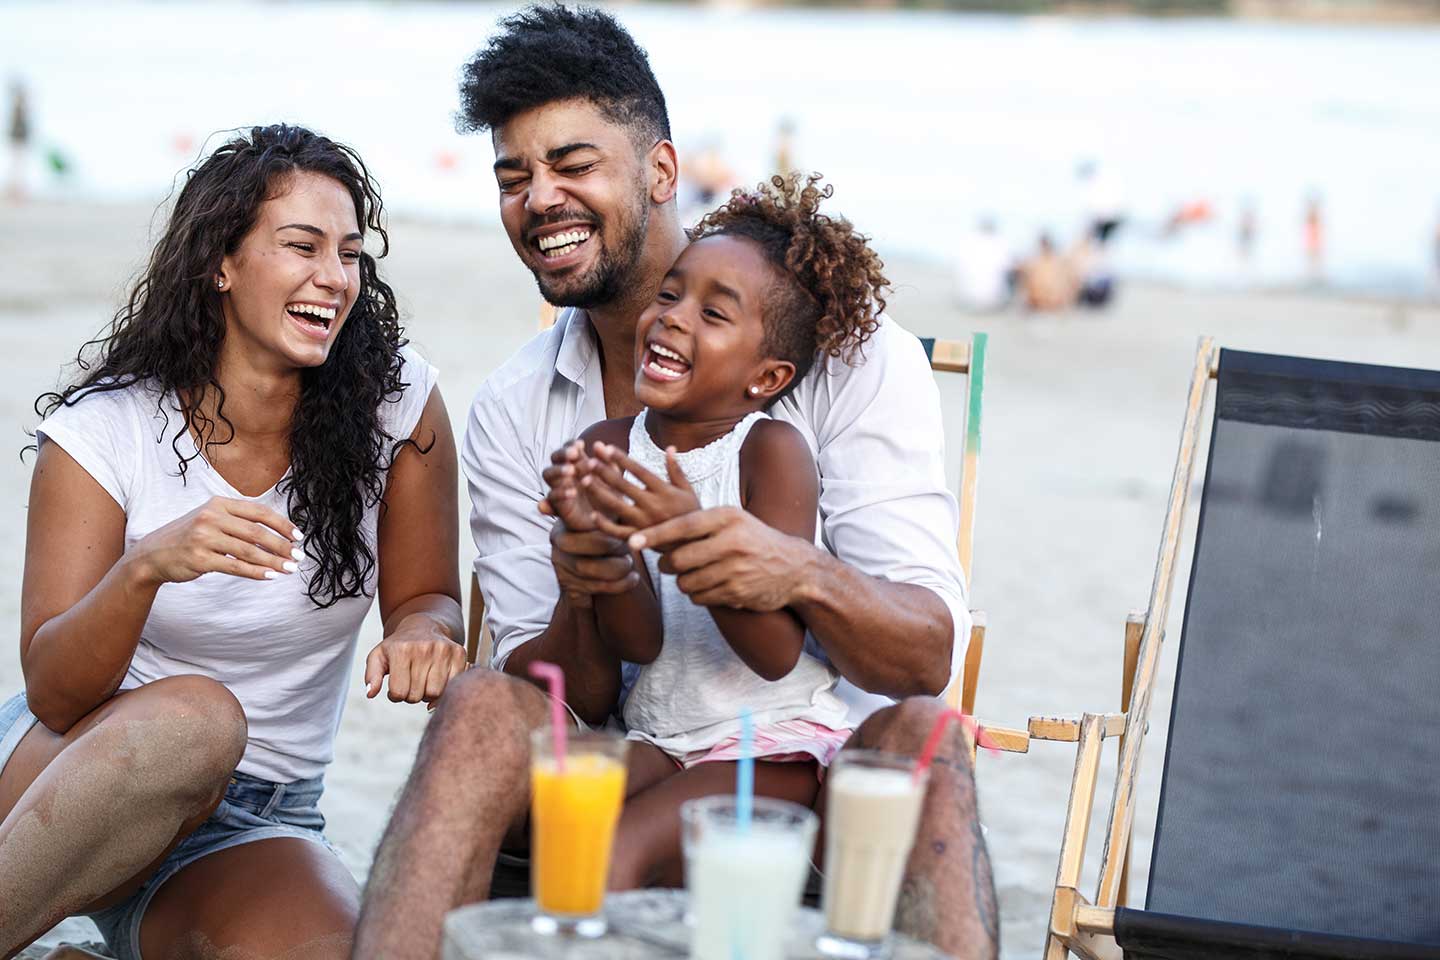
(574, 198)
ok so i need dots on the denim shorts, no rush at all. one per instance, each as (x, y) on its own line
(253, 809)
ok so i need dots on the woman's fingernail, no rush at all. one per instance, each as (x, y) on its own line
(296, 534)
(271, 575)
(297, 553)
(637, 542)
(290, 566)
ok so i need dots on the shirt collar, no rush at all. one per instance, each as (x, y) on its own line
(577, 346)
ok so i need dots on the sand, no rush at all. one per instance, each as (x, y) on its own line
(1082, 415)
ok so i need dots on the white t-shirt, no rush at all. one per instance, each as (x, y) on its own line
(286, 660)
(874, 428)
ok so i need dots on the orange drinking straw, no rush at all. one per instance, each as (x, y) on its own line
(554, 679)
(932, 742)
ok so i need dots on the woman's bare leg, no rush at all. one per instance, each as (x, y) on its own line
(89, 814)
(279, 899)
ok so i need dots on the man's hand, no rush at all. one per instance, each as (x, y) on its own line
(621, 507)
(590, 562)
(727, 557)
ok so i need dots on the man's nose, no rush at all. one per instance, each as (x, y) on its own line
(544, 194)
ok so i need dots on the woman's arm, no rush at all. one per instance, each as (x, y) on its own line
(85, 599)
(419, 578)
(779, 486)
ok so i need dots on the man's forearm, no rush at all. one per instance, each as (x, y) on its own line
(592, 669)
(889, 638)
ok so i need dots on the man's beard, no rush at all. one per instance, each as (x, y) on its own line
(614, 270)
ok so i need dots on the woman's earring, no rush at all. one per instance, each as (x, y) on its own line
(754, 391)
(219, 283)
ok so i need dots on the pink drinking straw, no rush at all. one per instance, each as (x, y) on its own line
(932, 742)
(554, 679)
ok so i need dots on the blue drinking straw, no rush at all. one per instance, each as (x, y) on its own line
(745, 773)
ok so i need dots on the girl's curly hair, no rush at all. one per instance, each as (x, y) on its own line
(168, 334)
(838, 287)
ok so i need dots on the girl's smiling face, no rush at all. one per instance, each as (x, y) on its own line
(699, 345)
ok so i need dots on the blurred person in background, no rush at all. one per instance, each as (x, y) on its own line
(1313, 237)
(1246, 231)
(1047, 280)
(785, 147)
(1435, 252)
(206, 535)
(19, 136)
(705, 182)
(983, 268)
(1090, 261)
(1104, 205)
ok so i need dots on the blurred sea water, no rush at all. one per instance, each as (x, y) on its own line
(924, 122)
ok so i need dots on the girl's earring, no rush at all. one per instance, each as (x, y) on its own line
(219, 283)
(754, 391)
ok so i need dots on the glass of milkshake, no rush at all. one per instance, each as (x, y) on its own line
(744, 881)
(870, 820)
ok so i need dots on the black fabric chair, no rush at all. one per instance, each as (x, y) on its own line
(1300, 801)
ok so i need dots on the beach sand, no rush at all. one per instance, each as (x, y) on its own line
(1082, 415)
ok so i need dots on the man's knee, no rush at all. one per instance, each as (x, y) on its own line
(904, 727)
(482, 705)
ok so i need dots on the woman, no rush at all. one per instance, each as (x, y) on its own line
(251, 453)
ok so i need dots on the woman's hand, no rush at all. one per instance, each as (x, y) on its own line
(419, 657)
(235, 537)
(621, 507)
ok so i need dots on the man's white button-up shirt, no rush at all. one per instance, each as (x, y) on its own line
(874, 429)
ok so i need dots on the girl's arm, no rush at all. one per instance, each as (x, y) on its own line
(419, 579)
(85, 599)
(629, 623)
(780, 486)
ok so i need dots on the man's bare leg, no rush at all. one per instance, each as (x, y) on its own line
(948, 896)
(469, 788)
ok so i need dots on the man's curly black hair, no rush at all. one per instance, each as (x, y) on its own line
(168, 336)
(549, 52)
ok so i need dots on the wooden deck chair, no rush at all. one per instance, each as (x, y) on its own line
(1299, 798)
(948, 356)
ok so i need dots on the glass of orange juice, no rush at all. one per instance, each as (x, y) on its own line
(575, 803)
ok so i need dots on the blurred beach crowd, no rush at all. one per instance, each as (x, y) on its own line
(1044, 159)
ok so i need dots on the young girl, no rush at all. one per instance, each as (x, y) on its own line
(767, 286)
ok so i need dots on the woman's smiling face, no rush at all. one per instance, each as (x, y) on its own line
(699, 345)
(291, 284)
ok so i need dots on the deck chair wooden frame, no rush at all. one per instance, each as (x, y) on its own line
(1079, 925)
(946, 356)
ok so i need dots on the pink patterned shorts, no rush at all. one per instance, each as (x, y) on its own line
(785, 741)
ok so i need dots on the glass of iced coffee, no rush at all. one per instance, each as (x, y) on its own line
(870, 820)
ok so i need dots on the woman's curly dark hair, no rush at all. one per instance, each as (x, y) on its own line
(168, 334)
(838, 287)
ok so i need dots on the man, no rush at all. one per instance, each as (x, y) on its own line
(587, 177)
